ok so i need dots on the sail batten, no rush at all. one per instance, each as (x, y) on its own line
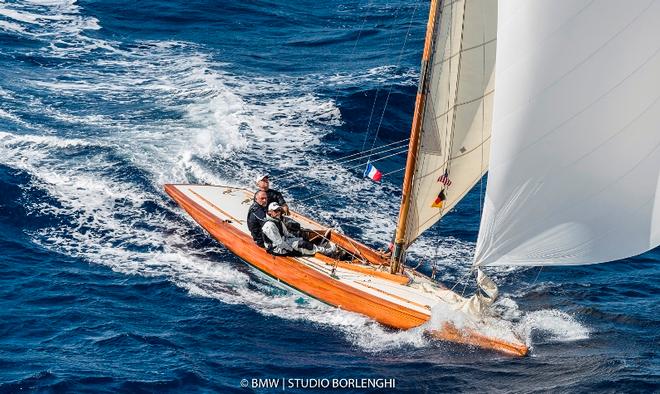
(575, 166)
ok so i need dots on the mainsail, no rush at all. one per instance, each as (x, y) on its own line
(574, 173)
(453, 150)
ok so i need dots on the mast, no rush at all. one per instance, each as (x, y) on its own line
(413, 146)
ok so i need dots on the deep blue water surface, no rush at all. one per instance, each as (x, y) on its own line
(106, 285)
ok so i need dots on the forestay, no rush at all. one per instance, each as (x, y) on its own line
(457, 115)
(574, 173)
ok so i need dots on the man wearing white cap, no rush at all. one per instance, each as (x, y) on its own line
(263, 183)
(279, 241)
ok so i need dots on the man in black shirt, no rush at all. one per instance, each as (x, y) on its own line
(273, 195)
(257, 217)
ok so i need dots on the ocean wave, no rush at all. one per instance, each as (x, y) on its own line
(554, 325)
(57, 22)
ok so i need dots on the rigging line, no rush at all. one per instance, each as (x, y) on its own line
(357, 39)
(395, 171)
(458, 82)
(403, 151)
(389, 92)
(537, 276)
(364, 21)
(360, 258)
(373, 105)
(405, 140)
(334, 191)
(371, 116)
(450, 38)
(460, 280)
(483, 123)
(360, 155)
(464, 287)
(374, 153)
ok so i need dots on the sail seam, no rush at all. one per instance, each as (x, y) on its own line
(598, 99)
(610, 184)
(449, 4)
(474, 100)
(460, 52)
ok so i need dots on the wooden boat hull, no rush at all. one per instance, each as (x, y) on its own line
(353, 287)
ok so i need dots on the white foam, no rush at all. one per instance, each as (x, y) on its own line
(59, 24)
(381, 75)
(18, 16)
(560, 326)
(9, 26)
(14, 118)
(52, 3)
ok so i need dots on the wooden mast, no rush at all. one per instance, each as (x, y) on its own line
(413, 147)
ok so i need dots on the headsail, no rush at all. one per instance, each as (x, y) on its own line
(453, 151)
(574, 174)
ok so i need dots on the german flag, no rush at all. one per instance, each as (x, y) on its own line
(439, 200)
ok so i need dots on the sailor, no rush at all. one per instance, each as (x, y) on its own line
(257, 216)
(263, 183)
(279, 241)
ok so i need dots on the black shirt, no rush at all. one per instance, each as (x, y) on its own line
(275, 196)
(255, 220)
(257, 215)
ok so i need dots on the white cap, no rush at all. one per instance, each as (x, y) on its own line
(260, 177)
(273, 206)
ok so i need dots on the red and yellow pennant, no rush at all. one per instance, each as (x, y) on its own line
(439, 201)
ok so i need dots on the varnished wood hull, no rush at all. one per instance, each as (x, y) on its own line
(306, 278)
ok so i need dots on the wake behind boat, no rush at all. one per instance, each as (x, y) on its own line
(363, 285)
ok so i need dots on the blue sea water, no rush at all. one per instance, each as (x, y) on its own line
(106, 285)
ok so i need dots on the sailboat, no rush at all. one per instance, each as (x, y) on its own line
(569, 139)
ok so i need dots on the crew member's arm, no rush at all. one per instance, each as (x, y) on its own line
(281, 202)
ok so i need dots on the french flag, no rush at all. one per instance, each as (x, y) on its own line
(373, 173)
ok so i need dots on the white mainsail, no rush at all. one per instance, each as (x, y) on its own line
(457, 114)
(574, 173)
